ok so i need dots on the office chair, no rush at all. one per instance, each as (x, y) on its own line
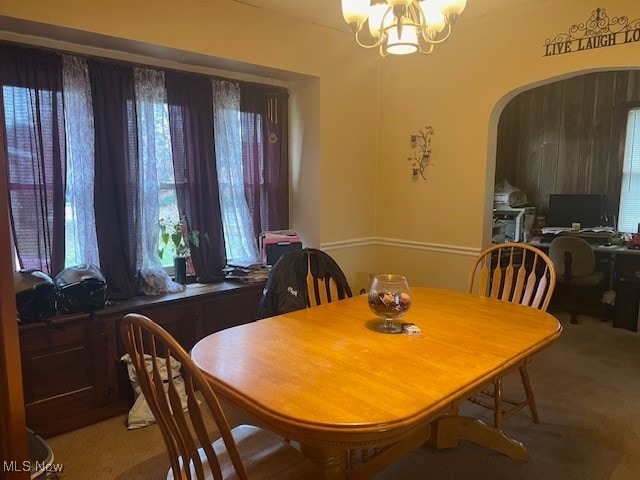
(242, 452)
(575, 264)
(517, 273)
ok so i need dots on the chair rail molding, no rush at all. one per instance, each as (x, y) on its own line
(400, 243)
(349, 243)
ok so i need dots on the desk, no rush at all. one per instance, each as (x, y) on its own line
(597, 247)
(613, 251)
(323, 377)
(622, 265)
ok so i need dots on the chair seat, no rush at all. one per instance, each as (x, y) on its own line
(591, 280)
(264, 455)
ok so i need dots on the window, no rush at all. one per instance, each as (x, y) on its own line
(23, 169)
(35, 168)
(99, 151)
(629, 213)
(239, 234)
(155, 154)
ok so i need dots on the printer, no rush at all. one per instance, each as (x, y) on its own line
(516, 220)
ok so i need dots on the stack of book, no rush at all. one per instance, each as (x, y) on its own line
(252, 273)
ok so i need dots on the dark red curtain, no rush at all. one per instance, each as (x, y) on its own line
(264, 155)
(194, 162)
(116, 173)
(33, 123)
(34, 144)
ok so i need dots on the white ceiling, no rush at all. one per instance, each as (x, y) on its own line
(328, 13)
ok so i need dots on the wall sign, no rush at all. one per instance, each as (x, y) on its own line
(597, 32)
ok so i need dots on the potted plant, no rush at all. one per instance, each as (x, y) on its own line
(177, 236)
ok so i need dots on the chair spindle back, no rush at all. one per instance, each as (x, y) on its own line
(322, 290)
(183, 431)
(514, 272)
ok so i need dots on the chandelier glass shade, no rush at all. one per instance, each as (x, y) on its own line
(400, 27)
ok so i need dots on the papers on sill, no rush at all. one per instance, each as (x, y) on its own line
(248, 273)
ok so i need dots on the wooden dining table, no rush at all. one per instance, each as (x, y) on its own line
(356, 399)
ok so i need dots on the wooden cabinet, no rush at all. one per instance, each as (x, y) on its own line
(72, 373)
(230, 308)
(67, 375)
(180, 319)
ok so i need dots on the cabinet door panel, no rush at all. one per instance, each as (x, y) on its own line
(65, 372)
(231, 309)
(179, 320)
(57, 377)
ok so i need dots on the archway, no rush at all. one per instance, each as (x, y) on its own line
(561, 135)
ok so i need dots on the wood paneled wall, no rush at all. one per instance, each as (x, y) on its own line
(565, 137)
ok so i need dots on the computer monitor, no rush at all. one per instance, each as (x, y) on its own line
(589, 210)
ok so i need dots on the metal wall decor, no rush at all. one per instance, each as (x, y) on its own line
(272, 114)
(597, 32)
(421, 151)
(272, 108)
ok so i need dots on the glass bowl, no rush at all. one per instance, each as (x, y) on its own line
(389, 298)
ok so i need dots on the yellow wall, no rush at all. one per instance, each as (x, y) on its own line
(352, 113)
(460, 90)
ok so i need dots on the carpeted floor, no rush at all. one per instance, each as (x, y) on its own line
(587, 387)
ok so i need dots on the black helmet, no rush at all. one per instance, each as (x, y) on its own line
(35, 295)
(81, 288)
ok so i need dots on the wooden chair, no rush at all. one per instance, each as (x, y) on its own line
(302, 279)
(323, 289)
(244, 452)
(575, 265)
(517, 273)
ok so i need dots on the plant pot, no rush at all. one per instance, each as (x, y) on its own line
(180, 270)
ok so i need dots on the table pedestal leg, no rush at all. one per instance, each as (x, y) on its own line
(332, 460)
(448, 430)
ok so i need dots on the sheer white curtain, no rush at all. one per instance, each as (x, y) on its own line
(239, 237)
(81, 244)
(153, 145)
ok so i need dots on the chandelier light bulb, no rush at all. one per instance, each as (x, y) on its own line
(434, 18)
(376, 14)
(355, 12)
(452, 7)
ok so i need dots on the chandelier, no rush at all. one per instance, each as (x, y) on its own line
(401, 27)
